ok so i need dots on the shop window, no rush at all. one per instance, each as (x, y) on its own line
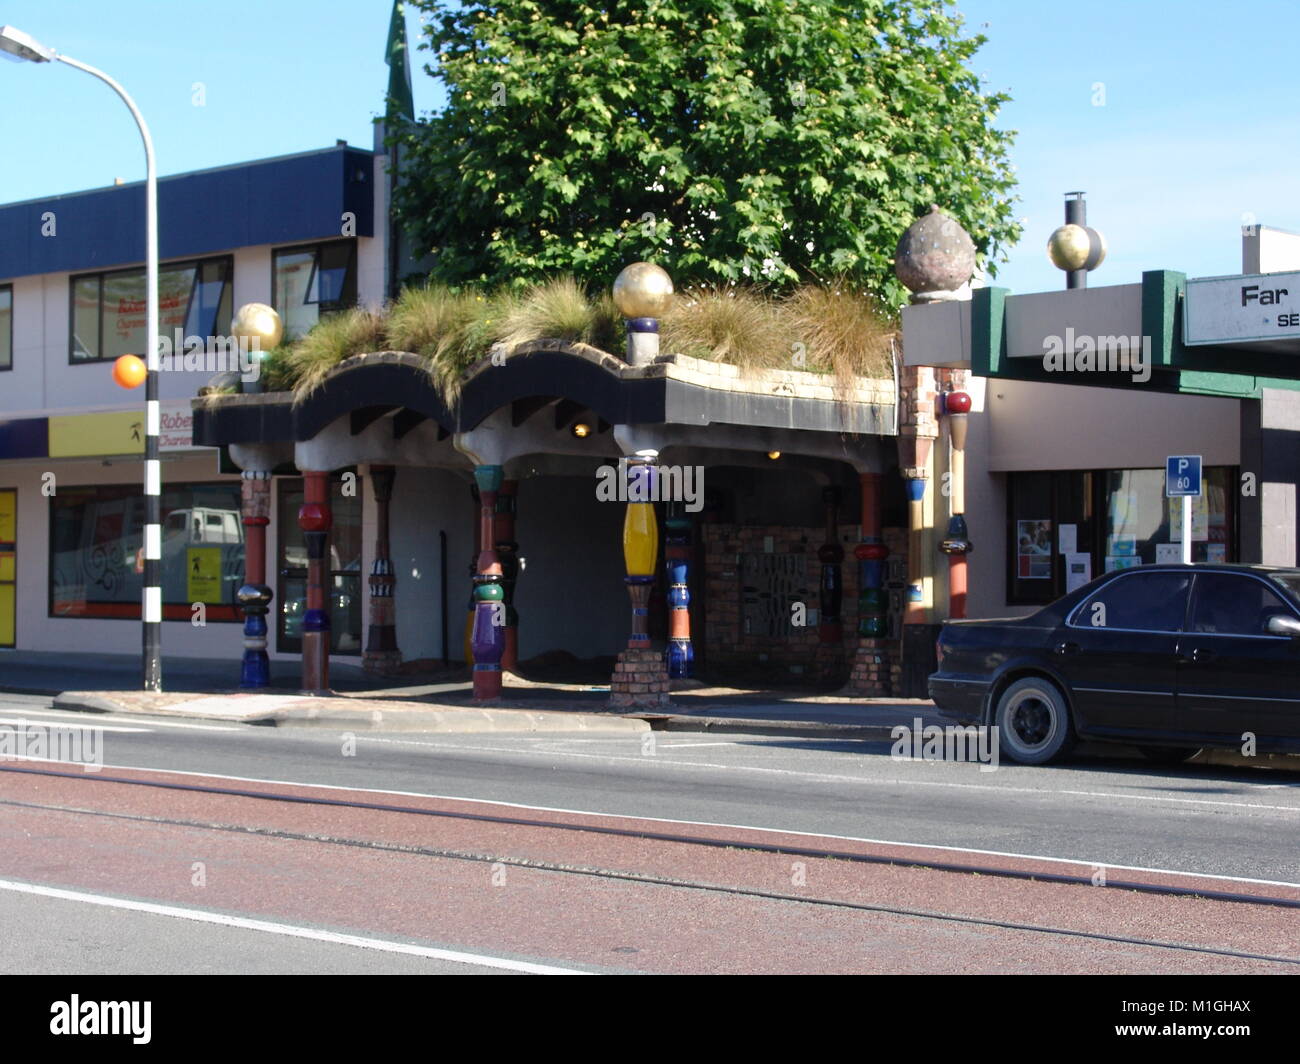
(1065, 528)
(108, 309)
(308, 282)
(6, 327)
(1142, 526)
(97, 544)
(343, 587)
(1051, 535)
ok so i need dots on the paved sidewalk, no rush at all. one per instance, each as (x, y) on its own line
(203, 688)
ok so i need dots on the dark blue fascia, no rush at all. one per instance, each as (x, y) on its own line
(287, 200)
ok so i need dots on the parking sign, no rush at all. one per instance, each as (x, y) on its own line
(1183, 475)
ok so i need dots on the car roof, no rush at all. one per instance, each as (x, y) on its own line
(1226, 567)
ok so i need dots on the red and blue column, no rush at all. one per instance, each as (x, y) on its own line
(255, 596)
(315, 519)
(679, 654)
(488, 640)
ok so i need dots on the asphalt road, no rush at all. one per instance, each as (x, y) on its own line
(103, 842)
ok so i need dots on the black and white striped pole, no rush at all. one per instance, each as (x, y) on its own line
(23, 46)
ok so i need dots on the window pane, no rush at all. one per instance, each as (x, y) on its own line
(1152, 602)
(96, 533)
(85, 319)
(209, 313)
(293, 275)
(335, 285)
(1234, 605)
(1140, 519)
(6, 327)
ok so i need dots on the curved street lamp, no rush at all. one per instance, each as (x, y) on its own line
(20, 46)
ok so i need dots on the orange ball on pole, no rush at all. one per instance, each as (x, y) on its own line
(129, 371)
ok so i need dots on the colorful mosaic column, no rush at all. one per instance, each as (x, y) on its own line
(677, 552)
(956, 544)
(831, 555)
(869, 676)
(488, 641)
(255, 596)
(381, 654)
(641, 675)
(508, 552)
(315, 519)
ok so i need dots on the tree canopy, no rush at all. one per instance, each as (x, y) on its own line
(771, 140)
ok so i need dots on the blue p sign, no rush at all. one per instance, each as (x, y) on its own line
(1183, 475)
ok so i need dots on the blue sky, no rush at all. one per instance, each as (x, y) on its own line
(1199, 132)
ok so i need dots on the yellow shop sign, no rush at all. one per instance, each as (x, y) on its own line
(93, 435)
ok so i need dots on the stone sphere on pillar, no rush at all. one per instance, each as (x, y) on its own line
(934, 257)
(1076, 247)
(643, 290)
(260, 324)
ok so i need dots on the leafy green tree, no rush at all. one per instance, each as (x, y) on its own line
(769, 140)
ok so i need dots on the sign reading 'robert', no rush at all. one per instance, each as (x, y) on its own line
(1224, 310)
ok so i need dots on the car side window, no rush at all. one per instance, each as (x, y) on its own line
(1148, 602)
(1228, 604)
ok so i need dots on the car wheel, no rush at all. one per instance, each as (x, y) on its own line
(1168, 755)
(1033, 722)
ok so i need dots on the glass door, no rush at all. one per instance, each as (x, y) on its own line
(344, 586)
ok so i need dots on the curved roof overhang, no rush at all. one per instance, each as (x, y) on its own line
(673, 391)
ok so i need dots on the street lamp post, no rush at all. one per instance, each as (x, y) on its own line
(23, 47)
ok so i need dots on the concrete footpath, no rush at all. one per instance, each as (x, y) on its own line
(106, 683)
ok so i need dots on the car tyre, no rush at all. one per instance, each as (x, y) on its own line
(1033, 721)
(1168, 755)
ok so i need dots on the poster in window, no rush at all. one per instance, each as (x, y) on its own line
(1200, 519)
(1034, 550)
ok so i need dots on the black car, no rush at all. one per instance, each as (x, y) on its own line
(1170, 658)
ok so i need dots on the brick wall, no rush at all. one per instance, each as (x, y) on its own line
(789, 653)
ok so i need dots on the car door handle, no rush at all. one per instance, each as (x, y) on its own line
(1067, 648)
(1202, 654)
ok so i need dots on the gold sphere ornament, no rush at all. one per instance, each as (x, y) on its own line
(256, 322)
(643, 290)
(1076, 247)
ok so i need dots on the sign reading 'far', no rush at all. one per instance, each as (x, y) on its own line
(1224, 310)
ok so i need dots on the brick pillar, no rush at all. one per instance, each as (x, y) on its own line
(488, 639)
(381, 654)
(641, 674)
(315, 519)
(255, 596)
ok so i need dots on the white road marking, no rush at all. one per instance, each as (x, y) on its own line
(72, 717)
(715, 824)
(290, 930)
(68, 724)
(826, 777)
